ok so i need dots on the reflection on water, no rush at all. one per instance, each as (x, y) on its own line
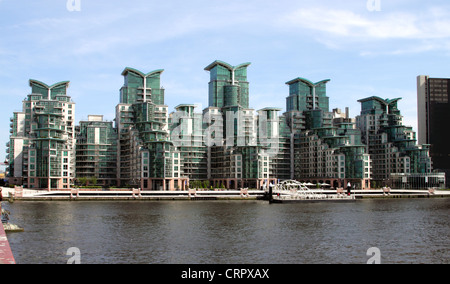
(232, 232)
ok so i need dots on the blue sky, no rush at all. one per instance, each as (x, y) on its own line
(364, 52)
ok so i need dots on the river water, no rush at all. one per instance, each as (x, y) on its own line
(232, 232)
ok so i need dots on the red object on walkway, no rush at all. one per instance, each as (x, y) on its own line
(6, 256)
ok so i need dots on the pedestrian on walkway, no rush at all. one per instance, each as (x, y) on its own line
(1, 199)
(349, 188)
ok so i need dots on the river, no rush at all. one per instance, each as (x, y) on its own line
(231, 232)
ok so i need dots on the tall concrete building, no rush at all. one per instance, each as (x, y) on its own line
(433, 108)
(42, 142)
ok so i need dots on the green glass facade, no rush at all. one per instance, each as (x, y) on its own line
(133, 89)
(306, 95)
(43, 140)
(147, 157)
(228, 85)
(226, 144)
(186, 128)
(96, 152)
(392, 145)
(326, 147)
(242, 158)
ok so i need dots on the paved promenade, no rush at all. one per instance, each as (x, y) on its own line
(26, 194)
(6, 256)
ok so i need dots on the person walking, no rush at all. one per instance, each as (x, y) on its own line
(349, 188)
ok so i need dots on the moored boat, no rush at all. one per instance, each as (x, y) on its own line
(296, 192)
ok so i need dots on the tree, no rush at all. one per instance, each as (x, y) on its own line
(83, 181)
(93, 180)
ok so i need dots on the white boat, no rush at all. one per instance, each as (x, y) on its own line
(292, 191)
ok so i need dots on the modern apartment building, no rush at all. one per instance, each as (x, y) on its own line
(96, 152)
(235, 159)
(326, 146)
(433, 110)
(187, 135)
(147, 158)
(42, 142)
(396, 157)
(228, 144)
(275, 136)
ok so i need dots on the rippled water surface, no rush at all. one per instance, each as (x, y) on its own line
(232, 232)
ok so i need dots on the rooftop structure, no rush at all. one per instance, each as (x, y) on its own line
(228, 85)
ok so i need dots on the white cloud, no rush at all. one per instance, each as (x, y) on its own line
(430, 29)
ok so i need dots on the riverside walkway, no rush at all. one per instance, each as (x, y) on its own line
(6, 255)
(136, 194)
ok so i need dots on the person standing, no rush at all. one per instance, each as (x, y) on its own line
(349, 188)
(1, 199)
